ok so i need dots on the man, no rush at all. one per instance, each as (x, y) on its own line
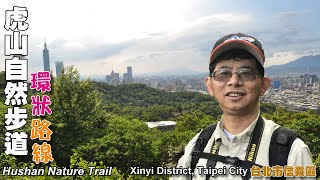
(237, 81)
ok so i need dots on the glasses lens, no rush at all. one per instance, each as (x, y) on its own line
(243, 75)
(222, 75)
(247, 75)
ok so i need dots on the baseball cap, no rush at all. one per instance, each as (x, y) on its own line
(238, 41)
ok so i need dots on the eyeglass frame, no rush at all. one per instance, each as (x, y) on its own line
(212, 75)
(237, 54)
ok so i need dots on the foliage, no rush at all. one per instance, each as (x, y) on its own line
(193, 122)
(142, 96)
(125, 144)
(308, 130)
(2, 85)
(152, 113)
(77, 114)
(7, 161)
(306, 124)
(95, 124)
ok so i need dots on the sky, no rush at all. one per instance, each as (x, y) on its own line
(159, 36)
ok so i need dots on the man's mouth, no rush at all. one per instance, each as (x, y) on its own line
(234, 94)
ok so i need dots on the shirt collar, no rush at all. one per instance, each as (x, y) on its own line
(241, 137)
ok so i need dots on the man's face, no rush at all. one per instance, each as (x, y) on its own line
(234, 95)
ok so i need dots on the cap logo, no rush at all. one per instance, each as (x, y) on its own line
(249, 39)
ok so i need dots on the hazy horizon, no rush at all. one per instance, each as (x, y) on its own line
(152, 37)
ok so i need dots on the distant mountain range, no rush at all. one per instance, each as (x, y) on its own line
(305, 64)
(171, 72)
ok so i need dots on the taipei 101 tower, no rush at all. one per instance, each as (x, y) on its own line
(46, 62)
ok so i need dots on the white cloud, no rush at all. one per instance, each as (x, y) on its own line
(156, 61)
(170, 50)
(152, 36)
(223, 19)
(74, 45)
(281, 58)
(286, 57)
(285, 16)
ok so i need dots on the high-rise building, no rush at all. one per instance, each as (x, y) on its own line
(113, 78)
(276, 84)
(46, 61)
(129, 72)
(59, 66)
(127, 77)
(108, 79)
(309, 79)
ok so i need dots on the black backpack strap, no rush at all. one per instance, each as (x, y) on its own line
(252, 149)
(214, 150)
(234, 161)
(201, 143)
(280, 145)
(255, 139)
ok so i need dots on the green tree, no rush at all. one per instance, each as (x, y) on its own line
(126, 143)
(77, 114)
(308, 130)
(157, 113)
(3, 83)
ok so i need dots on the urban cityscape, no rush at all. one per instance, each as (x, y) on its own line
(298, 92)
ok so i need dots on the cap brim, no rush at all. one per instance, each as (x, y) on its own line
(237, 44)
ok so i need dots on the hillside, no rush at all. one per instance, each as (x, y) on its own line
(141, 95)
(305, 64)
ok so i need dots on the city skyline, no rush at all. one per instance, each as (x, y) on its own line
(163, 35)
(114, 78)
(59, 66)
(46, 62)
(46, 58)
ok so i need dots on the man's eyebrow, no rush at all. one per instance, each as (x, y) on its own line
(224, 67)
(246, 67)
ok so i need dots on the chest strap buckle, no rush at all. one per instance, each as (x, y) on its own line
(232, 160)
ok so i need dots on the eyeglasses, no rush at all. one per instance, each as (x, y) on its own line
(224, 75)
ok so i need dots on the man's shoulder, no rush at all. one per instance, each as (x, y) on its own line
(192, 142)
(275, 129)
(271, 124)
(271, 127)
(299, 153)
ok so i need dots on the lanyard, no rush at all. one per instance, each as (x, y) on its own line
(252, 148)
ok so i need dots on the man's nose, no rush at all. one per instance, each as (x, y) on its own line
(234, 80)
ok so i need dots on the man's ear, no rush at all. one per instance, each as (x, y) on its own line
(208, 83)
(265, 85)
